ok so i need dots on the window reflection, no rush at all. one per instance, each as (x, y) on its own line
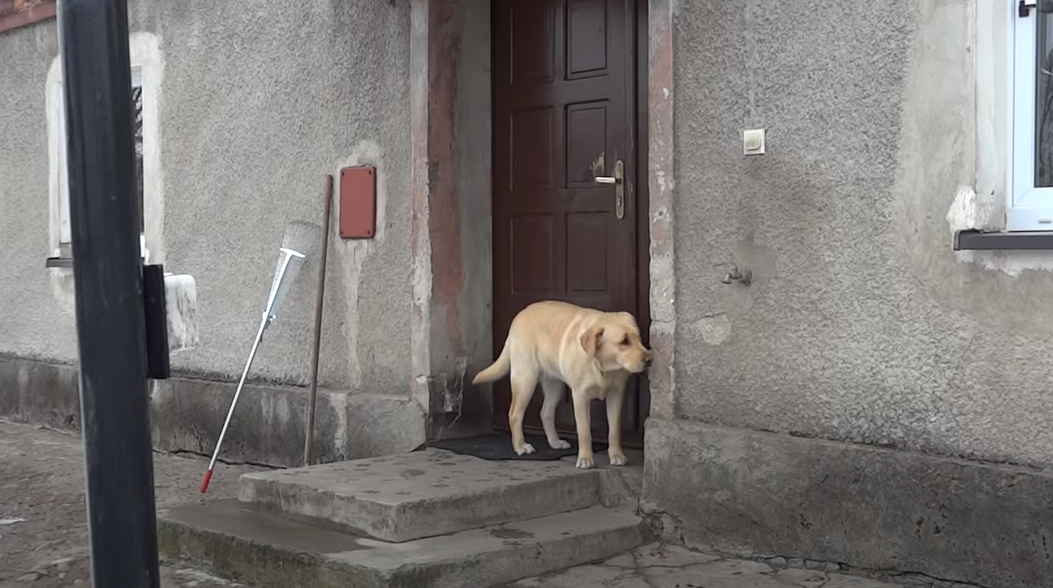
(1044, 100)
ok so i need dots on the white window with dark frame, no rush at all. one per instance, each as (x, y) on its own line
(60, 169)
(1030, 193)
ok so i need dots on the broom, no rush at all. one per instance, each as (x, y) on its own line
(300, 240)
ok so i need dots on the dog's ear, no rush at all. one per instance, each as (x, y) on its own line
(590, 340)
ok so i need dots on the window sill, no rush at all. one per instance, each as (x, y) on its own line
(59, 262)
(1005, 241)
(67, 262)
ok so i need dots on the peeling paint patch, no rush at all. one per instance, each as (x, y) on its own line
(966, 211)
(1012, 263)
(420, 243)
(662, 296)
(599, 167)
(354, 252)
(282, 410)
(339, 403)
(662, 194)
(714, 330)
(437, 253)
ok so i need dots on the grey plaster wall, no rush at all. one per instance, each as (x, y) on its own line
(33, 323)
(911, 518)
(862, 324)
(259, 100)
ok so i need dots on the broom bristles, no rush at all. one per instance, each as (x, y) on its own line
(302, 237)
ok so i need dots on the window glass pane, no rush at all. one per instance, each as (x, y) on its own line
(1044, 98)
(65, 235)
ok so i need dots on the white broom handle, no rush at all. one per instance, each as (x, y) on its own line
(252, 355)
(237, 393)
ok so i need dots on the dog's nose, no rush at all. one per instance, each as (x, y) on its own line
(649, 358)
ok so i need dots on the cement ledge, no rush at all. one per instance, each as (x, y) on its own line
(750, 493)
(268, 424)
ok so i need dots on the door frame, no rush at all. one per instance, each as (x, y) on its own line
(451, 335)
(643, 193)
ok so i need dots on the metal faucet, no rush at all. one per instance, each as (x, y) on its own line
(744, 277)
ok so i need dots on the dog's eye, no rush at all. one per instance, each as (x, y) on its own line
(625, 341)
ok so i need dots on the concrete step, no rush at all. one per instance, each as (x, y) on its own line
(270, 551)
(421, 494)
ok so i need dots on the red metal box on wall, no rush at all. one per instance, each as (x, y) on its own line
(358, 202)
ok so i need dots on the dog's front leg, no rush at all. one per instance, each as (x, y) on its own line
(583, 423)
(615, 400)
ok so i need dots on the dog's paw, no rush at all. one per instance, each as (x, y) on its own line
(526, 449)
(560, 444)
(585, 463)
(618, 459)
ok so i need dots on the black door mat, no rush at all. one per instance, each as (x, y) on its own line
(498, 446)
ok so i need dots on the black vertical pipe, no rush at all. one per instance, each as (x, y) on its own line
(107, 270)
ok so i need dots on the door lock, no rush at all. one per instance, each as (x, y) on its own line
(618, 179)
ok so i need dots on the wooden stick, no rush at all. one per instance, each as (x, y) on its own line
(316, 348)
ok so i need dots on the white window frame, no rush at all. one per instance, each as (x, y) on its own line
(1029, 208)
(60, 169)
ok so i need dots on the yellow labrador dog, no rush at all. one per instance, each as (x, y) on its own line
(591, 351)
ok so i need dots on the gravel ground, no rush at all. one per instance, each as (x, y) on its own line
(43, 521)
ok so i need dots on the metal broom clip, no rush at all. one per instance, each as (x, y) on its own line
(300, 241)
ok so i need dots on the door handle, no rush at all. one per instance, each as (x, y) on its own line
(618, 179)
(1043, 6)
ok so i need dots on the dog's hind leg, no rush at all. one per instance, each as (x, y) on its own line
(524, 382)
(553, 390)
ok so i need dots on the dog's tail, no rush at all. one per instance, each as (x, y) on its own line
(497, 370)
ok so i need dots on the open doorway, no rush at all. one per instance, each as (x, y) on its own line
(569, 105)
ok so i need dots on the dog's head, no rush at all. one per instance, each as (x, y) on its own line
(614, 341)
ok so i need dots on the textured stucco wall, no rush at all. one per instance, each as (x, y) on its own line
(862, 324)
(32, 321)
(259, 100)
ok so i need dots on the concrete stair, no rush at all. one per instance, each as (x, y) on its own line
(427, 519)
(422, 494)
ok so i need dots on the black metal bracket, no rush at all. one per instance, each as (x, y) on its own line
(59, 262)
(155, 307)
(158, 365)
(973, 240)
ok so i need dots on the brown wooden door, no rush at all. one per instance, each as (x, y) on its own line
(564, 113)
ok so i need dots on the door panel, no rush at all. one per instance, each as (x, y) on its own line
(564, 99)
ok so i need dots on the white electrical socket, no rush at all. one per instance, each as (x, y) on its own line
(753, 142)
